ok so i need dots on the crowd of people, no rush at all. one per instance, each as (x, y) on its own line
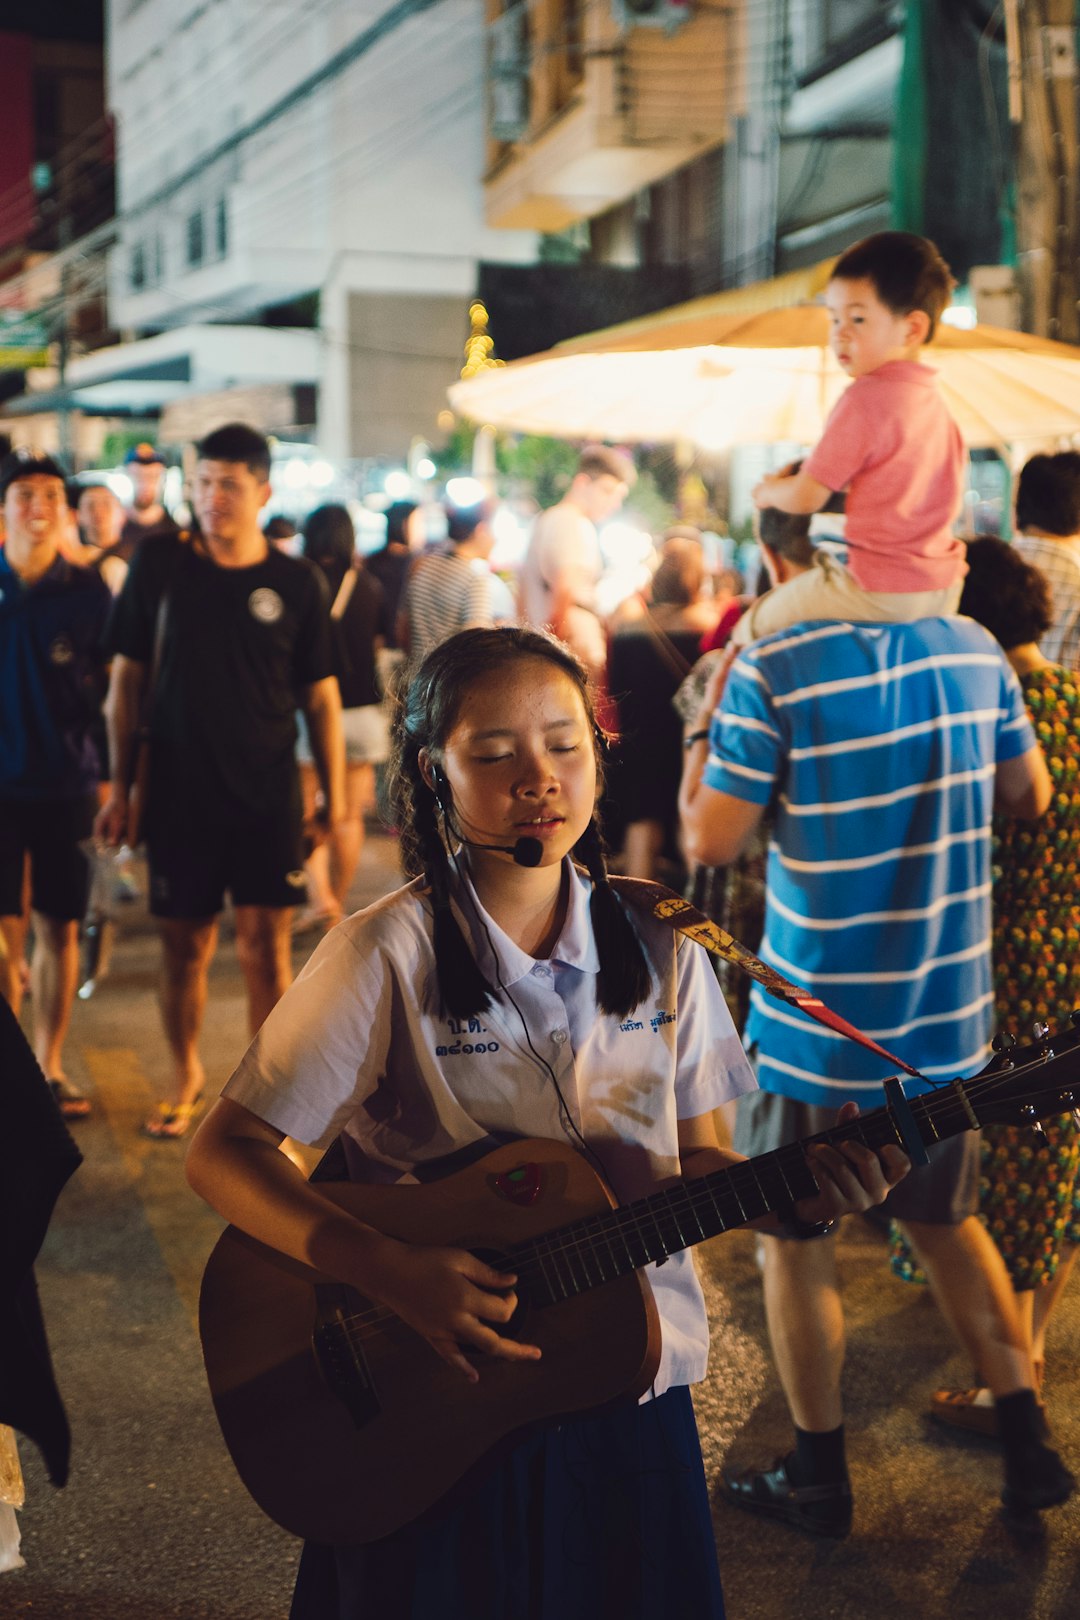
(876, 765)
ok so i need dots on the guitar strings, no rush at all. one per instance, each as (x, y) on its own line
(688, 1197)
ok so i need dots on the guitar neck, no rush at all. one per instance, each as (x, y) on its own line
(587, 1253)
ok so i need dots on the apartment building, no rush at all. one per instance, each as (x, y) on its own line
(312, 170)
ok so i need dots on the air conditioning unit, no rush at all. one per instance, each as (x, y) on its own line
(996, 295)
(508, 74)
(666, 14)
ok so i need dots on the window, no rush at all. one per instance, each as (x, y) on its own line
(221, 228)
(137, 268)
(196, 245)
(846, 17)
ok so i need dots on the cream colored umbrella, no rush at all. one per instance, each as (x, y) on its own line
(716, 377)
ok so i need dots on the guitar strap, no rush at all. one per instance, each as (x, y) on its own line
(669, 907)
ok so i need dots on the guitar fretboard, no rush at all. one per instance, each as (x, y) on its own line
(600, 1248)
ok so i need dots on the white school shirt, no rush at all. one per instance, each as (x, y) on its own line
(358, 1045)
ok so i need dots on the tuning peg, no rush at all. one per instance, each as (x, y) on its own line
(1040, 1030)
(1075, 1112)
(1004, 1041)
(1074, 1016)
(1031, 1119)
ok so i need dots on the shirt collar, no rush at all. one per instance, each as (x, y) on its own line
(59, 568)
(502, 959)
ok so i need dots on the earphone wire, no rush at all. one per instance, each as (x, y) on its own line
(566, 1118)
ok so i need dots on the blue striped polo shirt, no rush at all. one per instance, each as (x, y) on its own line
(876, 747)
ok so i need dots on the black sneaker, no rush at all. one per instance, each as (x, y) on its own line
(824, 1510)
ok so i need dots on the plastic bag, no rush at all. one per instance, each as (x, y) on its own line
(9, 1540)
(12, 1492)
(12, 1496)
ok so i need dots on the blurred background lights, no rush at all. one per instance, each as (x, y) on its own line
(465, 491)
(397, 484)
(960, 315)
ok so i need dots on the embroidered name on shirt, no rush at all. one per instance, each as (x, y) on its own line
(472, 1026)
(661, 1017)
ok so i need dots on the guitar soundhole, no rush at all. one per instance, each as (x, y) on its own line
(502, 1262)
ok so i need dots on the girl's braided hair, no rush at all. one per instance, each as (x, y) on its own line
(426, 704)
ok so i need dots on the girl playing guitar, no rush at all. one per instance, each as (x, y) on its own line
(505, 992)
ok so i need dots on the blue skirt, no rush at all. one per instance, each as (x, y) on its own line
(607, 1514)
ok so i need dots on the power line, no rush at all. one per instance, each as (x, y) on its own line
(148, 133)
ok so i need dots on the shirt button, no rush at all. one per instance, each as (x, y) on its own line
(558, 1036)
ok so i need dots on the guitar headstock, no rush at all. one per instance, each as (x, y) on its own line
(1025, 1083)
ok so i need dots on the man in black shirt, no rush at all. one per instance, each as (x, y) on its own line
(52, 667)
(225, 636)
(146, 517)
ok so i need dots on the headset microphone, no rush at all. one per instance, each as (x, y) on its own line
(525, 852)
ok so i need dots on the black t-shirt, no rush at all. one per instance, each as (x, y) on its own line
(353, 639)
(239, 645)
(52, 681)
(134, 534)
(391, 569)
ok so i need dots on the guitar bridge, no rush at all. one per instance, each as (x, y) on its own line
(340, 1359)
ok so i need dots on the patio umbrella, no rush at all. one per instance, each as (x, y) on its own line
(715, 377)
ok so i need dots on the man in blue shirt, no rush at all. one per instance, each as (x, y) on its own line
(52, 667)
(882, 750)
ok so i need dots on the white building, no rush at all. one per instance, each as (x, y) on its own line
(307, 165)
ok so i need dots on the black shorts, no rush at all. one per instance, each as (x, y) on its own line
(260, 863)
(50, 831)
(941, 1193)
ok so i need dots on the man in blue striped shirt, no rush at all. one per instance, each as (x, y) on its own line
(882, 750)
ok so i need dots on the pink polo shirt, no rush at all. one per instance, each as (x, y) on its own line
(891, 443)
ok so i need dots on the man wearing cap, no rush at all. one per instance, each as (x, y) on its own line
(146, 517)
(225, 636)
(52, 621)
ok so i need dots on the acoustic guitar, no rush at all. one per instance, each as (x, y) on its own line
(343, 1422)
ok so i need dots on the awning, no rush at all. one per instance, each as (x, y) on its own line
(143, 378)
(129, 391)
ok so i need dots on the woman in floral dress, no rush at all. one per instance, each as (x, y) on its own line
(1030, 1190)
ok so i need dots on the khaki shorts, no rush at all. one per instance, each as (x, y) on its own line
(941, 1193)
(828, 590)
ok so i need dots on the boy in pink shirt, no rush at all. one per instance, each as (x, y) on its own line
(889, 441)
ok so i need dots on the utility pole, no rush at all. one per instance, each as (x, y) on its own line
(1041, 46)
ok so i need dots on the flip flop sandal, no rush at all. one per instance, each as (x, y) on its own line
(171, 1120)
(71, 1103)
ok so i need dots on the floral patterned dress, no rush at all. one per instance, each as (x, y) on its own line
(1030, 1185)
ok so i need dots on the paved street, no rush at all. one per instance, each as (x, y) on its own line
(155, 1526)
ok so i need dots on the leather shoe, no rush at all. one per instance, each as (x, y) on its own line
(824, 1510)
(970, 1409)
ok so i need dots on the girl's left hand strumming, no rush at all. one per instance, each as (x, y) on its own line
(851, 1177)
